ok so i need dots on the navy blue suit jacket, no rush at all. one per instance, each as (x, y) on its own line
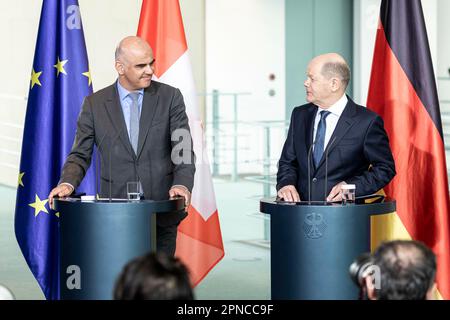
(358, 153)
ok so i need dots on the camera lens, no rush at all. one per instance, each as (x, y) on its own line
(358, 267)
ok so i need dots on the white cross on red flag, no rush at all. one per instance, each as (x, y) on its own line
(199, 241)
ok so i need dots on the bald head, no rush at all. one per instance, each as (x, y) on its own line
(130, 45)
(327, 78)
(134, 63)
(333, 65)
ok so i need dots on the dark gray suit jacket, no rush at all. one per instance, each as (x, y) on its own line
(358, 153)
(101, 121)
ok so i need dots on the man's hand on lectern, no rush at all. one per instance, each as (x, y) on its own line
(335, 193)
(289, 193)
(62, 190)
(179, 190)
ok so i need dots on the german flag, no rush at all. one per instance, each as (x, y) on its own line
(403, 91)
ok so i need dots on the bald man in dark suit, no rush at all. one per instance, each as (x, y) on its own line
(332, 141)
(132, 122)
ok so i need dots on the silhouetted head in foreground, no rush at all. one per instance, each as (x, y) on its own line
(154, 277)
(407, 271)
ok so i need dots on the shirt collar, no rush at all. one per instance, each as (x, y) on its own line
(338, 107)
(123, 93)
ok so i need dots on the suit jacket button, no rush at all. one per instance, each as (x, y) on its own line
(314, 180)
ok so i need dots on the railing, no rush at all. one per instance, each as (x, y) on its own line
(224, 135)
(216, 133)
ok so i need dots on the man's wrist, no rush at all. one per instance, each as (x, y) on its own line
(180, 186)
(67, 184)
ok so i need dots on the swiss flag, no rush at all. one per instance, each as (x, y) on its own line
(199, 242)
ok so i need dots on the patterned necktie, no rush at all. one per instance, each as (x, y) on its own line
(134, 120)
(320, 138)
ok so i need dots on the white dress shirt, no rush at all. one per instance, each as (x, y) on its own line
(332, 119)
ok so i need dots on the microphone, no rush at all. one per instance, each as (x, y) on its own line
(97, 166)
(326, 168)
(309, 171)
(113, 142)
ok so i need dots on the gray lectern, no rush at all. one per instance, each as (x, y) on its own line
(97, 238)
(313, 245)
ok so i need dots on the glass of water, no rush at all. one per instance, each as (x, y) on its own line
(348, 193)
(133, 191)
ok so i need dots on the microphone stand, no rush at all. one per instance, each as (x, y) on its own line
(137, 175)
(98, 166)
(309, 172)
(326, 169)
(110, 148)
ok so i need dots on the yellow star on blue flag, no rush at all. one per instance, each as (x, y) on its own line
(20, 182)
(39, 205)
(88, 75)
(60, 67)
(35, 78)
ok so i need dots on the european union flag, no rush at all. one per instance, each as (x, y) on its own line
(60, 79)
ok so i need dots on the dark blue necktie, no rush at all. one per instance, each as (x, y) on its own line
(320, 138)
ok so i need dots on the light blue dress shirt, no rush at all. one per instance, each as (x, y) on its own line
(126, 101)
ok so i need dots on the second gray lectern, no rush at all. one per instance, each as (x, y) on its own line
(313, 245)
(97, 239)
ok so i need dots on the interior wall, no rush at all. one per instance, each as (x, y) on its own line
(443, 35)
(245, 44)
(443, 53)
(314, 27)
